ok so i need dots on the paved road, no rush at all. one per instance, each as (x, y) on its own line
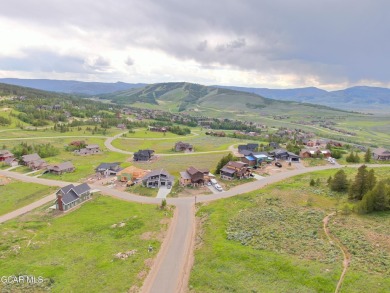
(172, 267)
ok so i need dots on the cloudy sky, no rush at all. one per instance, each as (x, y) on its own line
(330, 44)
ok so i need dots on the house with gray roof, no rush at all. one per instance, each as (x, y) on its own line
(34, 162)
(65, 167)
(143, 155)
(158, 178)
(381, 154)
(91, 149)
(70, 196)
(107, 169)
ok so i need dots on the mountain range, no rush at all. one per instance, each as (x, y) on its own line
(361, 98)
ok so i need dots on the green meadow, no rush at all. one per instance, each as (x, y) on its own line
(75, 252)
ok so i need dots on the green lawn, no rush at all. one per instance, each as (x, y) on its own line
(19, 194)
(142, 190)
(76, 252)
(272, 240)
(176, 164)
(201, 143)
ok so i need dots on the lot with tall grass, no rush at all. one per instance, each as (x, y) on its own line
(272, 240)
(201, 143)
(75, 252)
(16, 194)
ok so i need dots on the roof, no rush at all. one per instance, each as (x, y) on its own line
(31, 157)
(92, 146)
(5, 152)
(158, 172)
(235, 164)
(66, 188)
(144, 152)
(259, 156)
(192, 170)
(290, 154)
(185, 175)
(381, 152)
(250, 158)
(69, 197)
(62, 166)
(228, 170)
(82, 188)
(107, 166)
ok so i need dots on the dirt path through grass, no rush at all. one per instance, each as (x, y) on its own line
(344, 250)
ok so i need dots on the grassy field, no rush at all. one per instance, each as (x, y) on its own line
(176, 164)
(49, 132)
(18, 194)
(142, 190)
(272, 240)
(201, 143)
(76, 252)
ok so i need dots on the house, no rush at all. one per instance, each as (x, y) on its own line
(91, 149)
(255, 158)
(381, 154)
(158, 178)
(121, 126)
(131, 174)
(107, 169)
(143, 155)
(195, 177)
(66, 167)
(282, 154)
(183, 147)
(12, 162)
(34, 161)
(234, 169)
(252, 147)
(274, 145)
(157, 128)
(70, 196)
(307, 153)
(5, 154)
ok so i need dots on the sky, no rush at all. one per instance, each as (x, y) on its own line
(330, 44)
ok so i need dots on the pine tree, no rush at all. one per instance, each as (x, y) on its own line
(356, 158)
(364, 182)
(367, 156)
(339, 182)
(329, 181)
(318, 182)
(312, 182)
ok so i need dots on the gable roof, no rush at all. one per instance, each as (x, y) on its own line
(381, 152)
(71, 193)
(5, 153)
(31, 157)
(92, 146)
(236, 164)
(107, 166)
(62, 166)
(158, 172)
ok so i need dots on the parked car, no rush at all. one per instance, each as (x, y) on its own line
(208, 183)
(277, 164)
(218, 187)
(213, 181)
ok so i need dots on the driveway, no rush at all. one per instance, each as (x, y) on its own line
(257, 176)
(163, 192)
(212, 189)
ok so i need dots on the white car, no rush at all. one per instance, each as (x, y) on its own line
(218, 187)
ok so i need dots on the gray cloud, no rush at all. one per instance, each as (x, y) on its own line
(44, 61)
(129, 61)
(332, 40)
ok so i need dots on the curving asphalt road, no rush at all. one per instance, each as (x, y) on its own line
(171, 270)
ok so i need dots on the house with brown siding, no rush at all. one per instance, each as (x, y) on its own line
(58, 169)
(234, 169)
(381, 154)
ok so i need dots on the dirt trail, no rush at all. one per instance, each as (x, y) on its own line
(344, 250)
